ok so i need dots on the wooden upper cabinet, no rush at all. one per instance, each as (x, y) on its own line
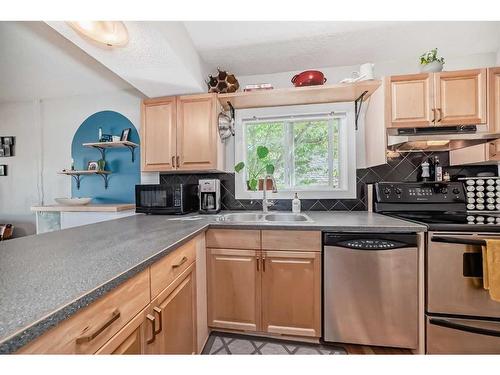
(291, 297)
(460, 97)
(494, 96)
(234, 287)
(181, 133)
(197, 136)
(158, 134)
(409, 100)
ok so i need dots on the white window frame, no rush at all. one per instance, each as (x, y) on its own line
(347, 150)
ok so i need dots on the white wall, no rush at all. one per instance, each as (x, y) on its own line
(336, 74)
(44, 130)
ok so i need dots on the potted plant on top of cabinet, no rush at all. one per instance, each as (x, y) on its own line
(430, 62)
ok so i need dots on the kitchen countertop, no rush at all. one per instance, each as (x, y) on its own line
(47, 278)
(117, 207)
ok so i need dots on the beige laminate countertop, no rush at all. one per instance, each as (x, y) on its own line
(86, 208)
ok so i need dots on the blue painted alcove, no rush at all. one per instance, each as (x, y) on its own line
(125, 174)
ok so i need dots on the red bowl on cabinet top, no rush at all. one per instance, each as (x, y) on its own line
(309, 78)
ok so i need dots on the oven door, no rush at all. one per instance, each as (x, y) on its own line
(462, 336)
(454, 275)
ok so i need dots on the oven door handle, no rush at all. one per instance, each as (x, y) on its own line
(460, 241)
(465, 328)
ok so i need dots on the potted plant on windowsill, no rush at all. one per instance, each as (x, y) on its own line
(430, 62)
(255, 179)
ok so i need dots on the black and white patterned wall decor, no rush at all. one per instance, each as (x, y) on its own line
(7, 146)
(403, 167)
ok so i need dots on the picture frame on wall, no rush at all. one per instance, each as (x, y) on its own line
(3, 170)
(7, 146)
(125, 134)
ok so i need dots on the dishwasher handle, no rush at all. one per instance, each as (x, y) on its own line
(458, 240)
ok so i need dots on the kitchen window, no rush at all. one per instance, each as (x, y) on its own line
(311, 147)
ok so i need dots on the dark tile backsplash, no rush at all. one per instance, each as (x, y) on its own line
(403, 167)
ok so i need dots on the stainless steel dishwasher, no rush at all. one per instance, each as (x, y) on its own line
(370, 289)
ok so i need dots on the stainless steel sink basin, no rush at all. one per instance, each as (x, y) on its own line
(243, 217)
(252, 217)
(287, 217)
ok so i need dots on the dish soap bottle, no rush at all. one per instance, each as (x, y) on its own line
(296, 204)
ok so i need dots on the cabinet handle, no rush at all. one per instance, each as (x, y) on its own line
(151, 319)
(183, 260)
(440, 115)
(173, 161)
(257, 263)
(178, 163)
(434, 115)
(263, 264)
(159, 312)
(89, 337)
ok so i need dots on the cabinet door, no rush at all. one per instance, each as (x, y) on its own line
(177, 313)
(158, 135)
(494, 102)
(197, 132)
(409, 100)
(234, 287)
(291, 300)
(131, 339)
(460, 97)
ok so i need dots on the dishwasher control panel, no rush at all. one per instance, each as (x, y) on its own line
(370, 244)
(370, 241)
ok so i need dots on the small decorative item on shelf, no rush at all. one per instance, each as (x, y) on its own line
(222, 83)
(93, 166)
(125, 134)
(101, 163)
(309, 78)
(258, 87)
(116, 138)
(3, 170)
(430, 62)
(6, 146)
(106, 138)
(72, 164)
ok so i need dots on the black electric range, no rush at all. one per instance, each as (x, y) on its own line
(439, 205)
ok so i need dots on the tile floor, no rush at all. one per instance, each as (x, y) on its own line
(229, 343)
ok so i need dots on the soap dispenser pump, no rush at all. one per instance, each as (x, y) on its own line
(296, 204)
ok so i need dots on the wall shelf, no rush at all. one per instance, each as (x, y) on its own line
(343, 92)
(77, 176)
(103, 146)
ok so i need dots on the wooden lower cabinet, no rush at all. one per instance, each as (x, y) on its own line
(274, 291)
(176, 314)
(233, 289)
(132, 339)
(291, 293)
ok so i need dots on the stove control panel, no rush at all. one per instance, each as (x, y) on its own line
(419, 192)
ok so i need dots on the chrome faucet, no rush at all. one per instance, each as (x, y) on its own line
(267, 203)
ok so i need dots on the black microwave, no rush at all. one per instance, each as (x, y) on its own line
(166, 199)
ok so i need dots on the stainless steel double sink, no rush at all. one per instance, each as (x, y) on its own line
(250, 217)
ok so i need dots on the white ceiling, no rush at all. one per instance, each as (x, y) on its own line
(36, 62)
(158, 60)
(252, 47)
(169, 58)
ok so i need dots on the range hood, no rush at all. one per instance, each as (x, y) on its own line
(444, 138)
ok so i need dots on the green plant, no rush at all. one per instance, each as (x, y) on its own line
(255, 171)
(431, 56)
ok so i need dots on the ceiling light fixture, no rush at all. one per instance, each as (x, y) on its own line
(110, 33)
